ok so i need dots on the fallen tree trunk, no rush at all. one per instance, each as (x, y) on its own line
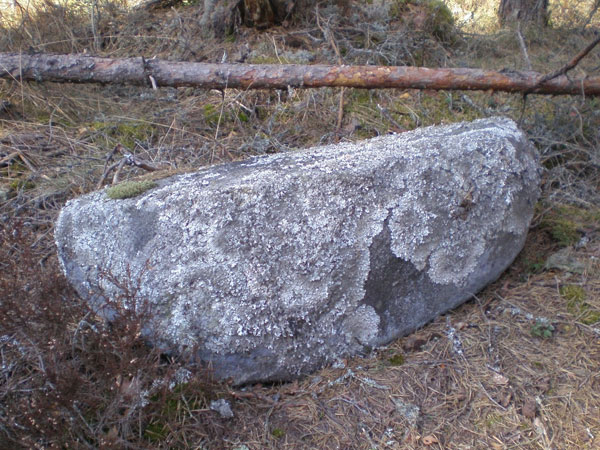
(155, 73)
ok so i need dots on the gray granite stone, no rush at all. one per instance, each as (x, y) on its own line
(276, 265)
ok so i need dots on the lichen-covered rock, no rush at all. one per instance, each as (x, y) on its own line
(273, 266)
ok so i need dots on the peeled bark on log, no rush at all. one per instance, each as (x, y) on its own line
(154, 72)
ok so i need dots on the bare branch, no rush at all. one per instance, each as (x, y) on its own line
(523, 46)
(570, 65)
(127, 159)
(87, 69)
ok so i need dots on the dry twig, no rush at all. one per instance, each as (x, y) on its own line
(127, 159)
(564, 69)
(523, 46)
(328, 35)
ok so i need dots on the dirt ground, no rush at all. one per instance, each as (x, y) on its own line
(516, 367)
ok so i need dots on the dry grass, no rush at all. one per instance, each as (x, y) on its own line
(517, 367)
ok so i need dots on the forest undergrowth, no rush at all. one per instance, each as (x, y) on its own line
(516, 367)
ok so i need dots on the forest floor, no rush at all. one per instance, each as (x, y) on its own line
(517, 367)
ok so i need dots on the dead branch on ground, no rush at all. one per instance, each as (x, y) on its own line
(127, 159)
(137, 71)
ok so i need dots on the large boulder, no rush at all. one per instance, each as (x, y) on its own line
(274, 266)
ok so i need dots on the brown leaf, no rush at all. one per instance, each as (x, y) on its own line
(543, 384)
(461, 325)
(505, 400)
(529, 408)
(413, 344)
(499, 379)
(112, 434)
(430, 440)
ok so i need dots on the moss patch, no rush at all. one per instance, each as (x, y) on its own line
(563, 222)
(129, 189)
(156, 432)
(564, 232)
(572, 293)
(127, 133)
(576, 305)
(432, 16)
(277, 433)
(396, 360)
(21, 185)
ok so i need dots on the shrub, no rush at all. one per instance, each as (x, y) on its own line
(67, 378)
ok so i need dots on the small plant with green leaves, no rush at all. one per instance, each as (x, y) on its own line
(542, 329)
(128, 189)
(534, 267)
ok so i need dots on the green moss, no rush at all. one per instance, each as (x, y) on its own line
(277, 433)
(563, 221)
(129, 189)
(533, 267)
(590, 317)
(21, 185)
(434, 109)
(440, 21)
(156, 432)
(127, 133)
(492, 420)
(359, 100)
(210, 113)
(176, 405)
(591, 215)
(396, 360)
(564, 232)
(572, 293)
(575, 296)
(265, 59)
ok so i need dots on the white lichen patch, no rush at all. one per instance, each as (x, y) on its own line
(362, 325)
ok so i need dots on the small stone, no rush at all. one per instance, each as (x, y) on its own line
(339, 364)
(4, 194)
(566, 260)
(409, 411)
(223, 407)
(529, 408)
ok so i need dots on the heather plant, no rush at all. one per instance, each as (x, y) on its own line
(69, 378)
